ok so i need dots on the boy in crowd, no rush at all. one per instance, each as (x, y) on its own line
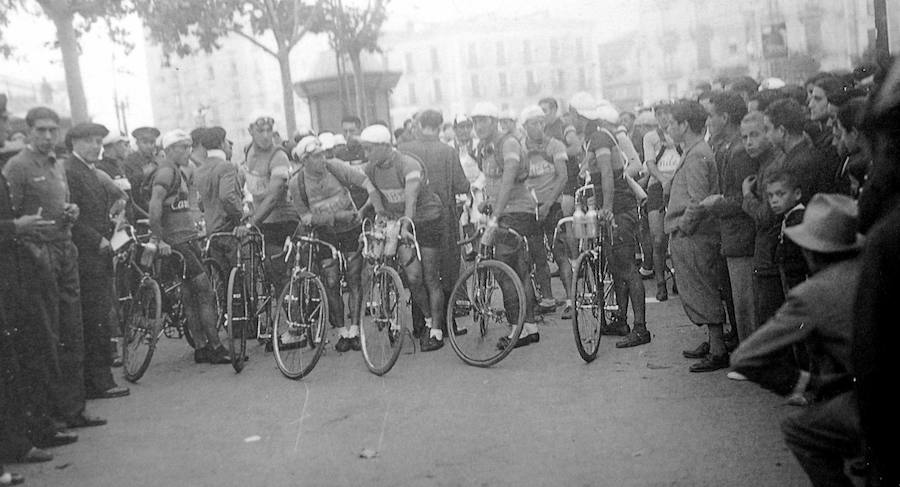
(783, 193)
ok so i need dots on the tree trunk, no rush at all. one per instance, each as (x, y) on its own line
(359, 79)
(287, 92)
(68, 45)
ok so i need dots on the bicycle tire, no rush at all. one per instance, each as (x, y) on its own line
(483, 313)
(588, 312)
(220, 289)
(381, 324)
(263, 297)
(142, 329)
(236, 318)
(298, 335)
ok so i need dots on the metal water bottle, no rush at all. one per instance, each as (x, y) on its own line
(578, 223)
(391, 238)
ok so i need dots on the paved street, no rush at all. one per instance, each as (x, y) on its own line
(634, 417)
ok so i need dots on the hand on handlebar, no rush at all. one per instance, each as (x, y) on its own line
(163, 248)
(606, 216)
(241, 231)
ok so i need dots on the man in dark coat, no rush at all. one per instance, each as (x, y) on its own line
(95, 194)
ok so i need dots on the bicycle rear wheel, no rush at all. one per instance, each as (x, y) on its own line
(263, 298)
(143, 319)
(219, 284)
(491, 290)
(298, 336)
(588, 313)
(381, 324)
(237, 319)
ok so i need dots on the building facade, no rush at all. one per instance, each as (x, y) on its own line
(512, 62)
(681, 42)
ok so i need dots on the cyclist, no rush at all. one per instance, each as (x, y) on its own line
(266, 170)
(320, 192)
(500, 158)
(172, 227)
(402, 188)
(546, 178)
(605, 163)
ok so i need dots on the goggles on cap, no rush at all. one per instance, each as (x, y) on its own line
(263, 122)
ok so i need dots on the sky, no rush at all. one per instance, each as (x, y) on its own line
(107, 68)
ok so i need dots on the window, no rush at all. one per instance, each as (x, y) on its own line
(530, 86)
(526, 52)
(559, 81)
(813, 29)
(435, 64)
(473, 56)
(411, 89)
(504, 86)
(409, 62)
(438, 95)
(476, 89)
(501, 54)
(579, 49)
(554, 50)
(582, 79)
(704, 53)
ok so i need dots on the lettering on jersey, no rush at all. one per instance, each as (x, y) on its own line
(394, 195)
(331, 204)
(180, 204)
(540, 167)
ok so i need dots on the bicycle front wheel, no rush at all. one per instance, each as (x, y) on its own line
(143, 319)
(237, 319)
(489, 292)
(219, 284)
(587, 299)
(381, 325)
(298, 336)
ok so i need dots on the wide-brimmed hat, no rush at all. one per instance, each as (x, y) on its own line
(830, 225)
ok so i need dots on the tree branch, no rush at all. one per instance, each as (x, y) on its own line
(271, 12)
(254, 41)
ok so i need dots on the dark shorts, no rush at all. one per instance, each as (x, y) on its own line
(193, 267)
(625, 233)
(524, 224)
(276, 233)
(548, 224)
(345, 242)
(656, 201)
(430, 234)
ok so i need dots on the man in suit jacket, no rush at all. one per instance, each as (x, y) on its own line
(95, 194)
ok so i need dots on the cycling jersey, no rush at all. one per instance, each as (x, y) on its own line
(390, 180)
(492, 160)
(325, 194)
(258, 169)
(542, 166)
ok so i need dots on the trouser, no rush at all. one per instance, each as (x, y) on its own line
(740, 271)
(449, 261)
(768, 296)
(275, 235)
(822, 436)
(725, 292)
(511, 251)
(62, 306)
(94, 270)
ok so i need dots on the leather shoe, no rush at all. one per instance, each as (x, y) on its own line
(633, 339)
(110, 393)
(521, 342)
(430, 343)
(701, 351)
(36, 455)
(711, 363)
(616, 328)
(84, 421)
(11, 478)
(56, 439)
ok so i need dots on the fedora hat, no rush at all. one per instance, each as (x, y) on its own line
(830, 225)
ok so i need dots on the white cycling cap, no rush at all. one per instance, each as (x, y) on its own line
(375, 134)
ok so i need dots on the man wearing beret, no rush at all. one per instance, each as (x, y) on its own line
(95, 194)
(139, 165)
(38, 186)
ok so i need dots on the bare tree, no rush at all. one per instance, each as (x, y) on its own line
(71, 18)
(179, 25)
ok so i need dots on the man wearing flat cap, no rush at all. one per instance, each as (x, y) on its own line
(141, 163)
(95, 194)
(818, 315)
(38, 186)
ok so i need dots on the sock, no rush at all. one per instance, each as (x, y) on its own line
(343, 332)
(428, 322)
(568, 302)
(354, 331)
(437, 334)
(639, 327)
(529, 328)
